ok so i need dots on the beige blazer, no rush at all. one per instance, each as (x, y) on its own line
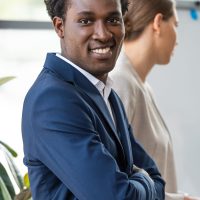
(147, 123)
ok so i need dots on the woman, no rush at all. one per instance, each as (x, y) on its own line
(150, 39)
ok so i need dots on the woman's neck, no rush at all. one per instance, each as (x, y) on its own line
(140, 55)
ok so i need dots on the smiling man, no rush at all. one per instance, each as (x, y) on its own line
(77, 141)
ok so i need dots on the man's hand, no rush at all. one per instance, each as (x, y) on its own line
(140, 170)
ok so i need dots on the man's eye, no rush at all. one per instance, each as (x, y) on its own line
(85, 21)
(114, 20)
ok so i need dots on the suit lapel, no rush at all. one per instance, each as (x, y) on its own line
(122, 128)
(99, 102)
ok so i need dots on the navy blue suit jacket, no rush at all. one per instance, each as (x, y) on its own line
(72, 148)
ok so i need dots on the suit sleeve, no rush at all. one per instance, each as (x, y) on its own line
(67, 142)
(144, 161)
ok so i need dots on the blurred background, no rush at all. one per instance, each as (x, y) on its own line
(26, 35)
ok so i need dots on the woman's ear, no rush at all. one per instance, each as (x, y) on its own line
(157, 22)
(58, 24)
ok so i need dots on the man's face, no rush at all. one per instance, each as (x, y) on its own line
(92, 35)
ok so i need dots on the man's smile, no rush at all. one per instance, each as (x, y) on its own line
(102, 50)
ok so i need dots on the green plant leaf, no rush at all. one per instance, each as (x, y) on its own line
(4, 191)
(13, 152)
(26, 181)
(14, 170)
(6, 180)
(4, 80)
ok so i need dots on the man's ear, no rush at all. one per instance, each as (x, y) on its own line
(58, 24)
(157, 22)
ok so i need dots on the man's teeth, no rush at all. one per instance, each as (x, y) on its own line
(101, 51)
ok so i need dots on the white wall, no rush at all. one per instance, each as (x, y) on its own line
(177, 91)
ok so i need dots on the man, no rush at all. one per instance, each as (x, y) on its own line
(77, 141)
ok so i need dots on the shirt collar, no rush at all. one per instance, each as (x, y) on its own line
(102, 88)
(91, 78)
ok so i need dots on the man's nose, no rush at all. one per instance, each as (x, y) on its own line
(102, 32)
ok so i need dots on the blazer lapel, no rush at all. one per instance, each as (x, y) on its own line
(102, 110)
(100, 103)
(122, 128)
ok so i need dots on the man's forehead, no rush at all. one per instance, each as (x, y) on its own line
(95, 5)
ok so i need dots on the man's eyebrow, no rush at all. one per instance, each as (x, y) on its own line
(115, 13)
(85, 13)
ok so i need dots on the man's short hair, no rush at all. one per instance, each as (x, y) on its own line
(58, 7)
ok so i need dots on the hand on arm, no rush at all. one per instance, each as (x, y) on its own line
(140, 170)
